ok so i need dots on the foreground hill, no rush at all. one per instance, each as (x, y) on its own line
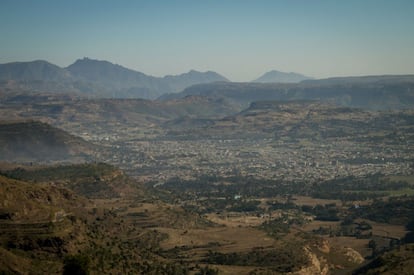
(96, 78)
(373, 92)
(47, 225)
(45, 228)
(37, 224)
(37, 141)
(24, 202)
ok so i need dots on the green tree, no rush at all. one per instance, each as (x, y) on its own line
(76, 265)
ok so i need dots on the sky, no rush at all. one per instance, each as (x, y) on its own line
(239, 39)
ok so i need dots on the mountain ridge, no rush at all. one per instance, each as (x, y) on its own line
(98, 78)
(32, 70)
(371, 92)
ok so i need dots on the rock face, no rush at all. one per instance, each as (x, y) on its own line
(316, 266)
(353, 256)
(325, 258)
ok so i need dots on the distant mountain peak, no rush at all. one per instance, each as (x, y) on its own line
(96, 64)
(193, 72)
(275, 76)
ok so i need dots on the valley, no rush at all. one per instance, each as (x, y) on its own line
(202, 185)
(206, 137)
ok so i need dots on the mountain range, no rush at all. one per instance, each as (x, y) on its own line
(102, 79)
(97, 78)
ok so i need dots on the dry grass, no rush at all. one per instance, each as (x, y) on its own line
(360, 245)
(231, 269)
(229, 239)
(409, 179)
(316, 224)
(388, 230)
(302, 200)
(235, 219)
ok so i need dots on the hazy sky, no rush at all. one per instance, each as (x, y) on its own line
(239, 39)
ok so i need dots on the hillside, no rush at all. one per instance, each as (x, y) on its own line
(24, 202)
(48, 229)
(43, 224)
(281, 77)
(37, 224)
(396, 261)
(37, 141)
(93, 180)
